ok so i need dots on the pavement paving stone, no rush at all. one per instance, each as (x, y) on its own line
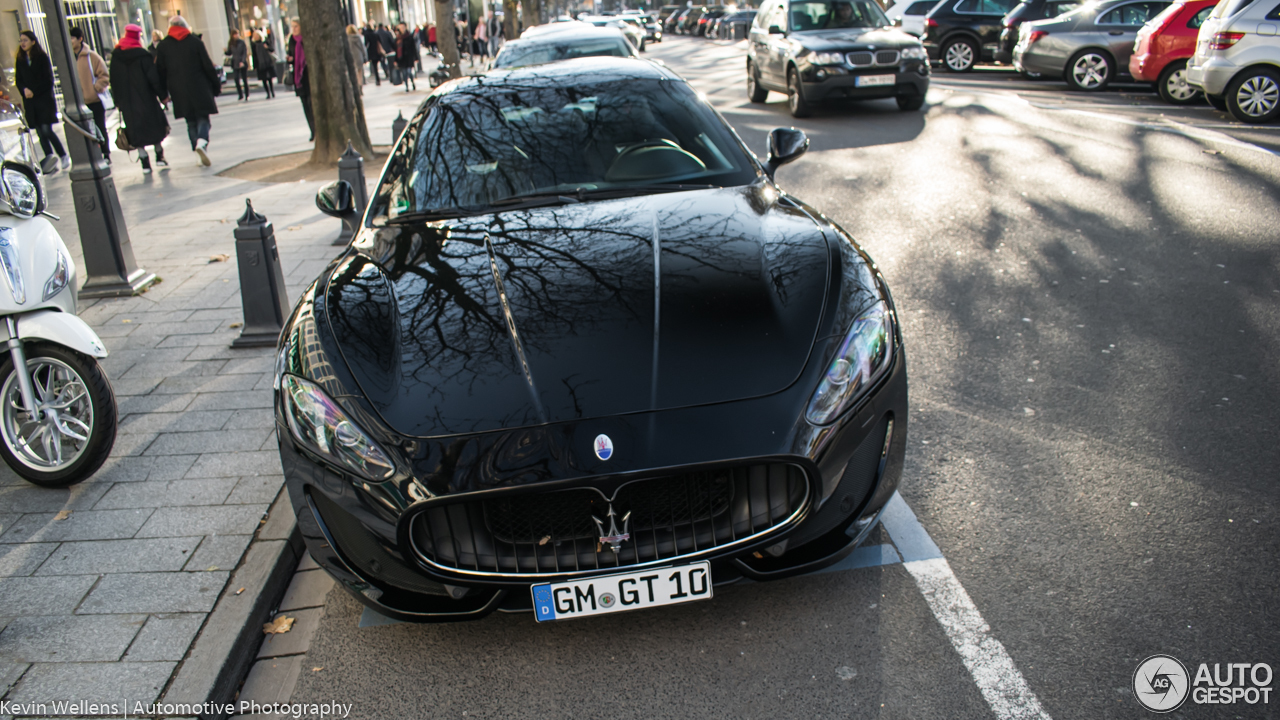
(307, 563)
(254, 418)
(30, 498)
(137, 468)
(259, 364)
(253, 399)
(79, 525)
(240, 464)
(307, 590)
(139, 404)
(214, 441)
(298, 639)
(165, 637)
(216, 383)
(203, 520)
(95, 682)
(179, 368)
(19, 560)
(256, 489)
(69, 638)
(226, 352)
(7, 519)
(168, 493)
(134, 386)
(165, 592)
(194, 421)
(220, 551)
(44, 595)
(10, 671)
(271, 680)
(120, 556)
(132, 444)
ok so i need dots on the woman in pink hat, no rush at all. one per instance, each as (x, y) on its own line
(136, 88)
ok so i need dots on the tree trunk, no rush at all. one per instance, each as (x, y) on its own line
(530, 13)
(510, 26)
(447, 37)
(335, 88)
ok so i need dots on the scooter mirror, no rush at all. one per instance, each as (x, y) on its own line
(336, 199)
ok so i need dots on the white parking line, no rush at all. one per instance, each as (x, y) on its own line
(999, 680)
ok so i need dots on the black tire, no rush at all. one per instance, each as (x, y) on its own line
(1219, 102)
(1090, 70)
(960, 55)
(102, 428)
(756, 92)
(910, 102)
(1253, 96)
(799, 107)
(1172, 85)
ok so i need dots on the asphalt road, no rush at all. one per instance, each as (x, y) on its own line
(1090, 289)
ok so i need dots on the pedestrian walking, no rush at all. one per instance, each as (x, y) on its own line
(373, 51)
(481, 37)
(388, 42)
(264, 61)
(431, 39)
(238, 51)
(297, 54)
(137, 90)
(156, 37)
(495, 34)
(406, 56)
(92, 71)
(191, 81)
(33, 78)
(358, 59)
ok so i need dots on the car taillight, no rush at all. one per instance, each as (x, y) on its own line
(930, 22)
(1224, 40)
(1036, 35)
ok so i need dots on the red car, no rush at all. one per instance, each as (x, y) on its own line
(1163, 46)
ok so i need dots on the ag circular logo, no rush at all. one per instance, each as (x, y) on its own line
(607, 600)
(1161, 683)
(604, 447)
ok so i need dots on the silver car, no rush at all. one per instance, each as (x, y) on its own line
(1237, 60)
(1086, 46)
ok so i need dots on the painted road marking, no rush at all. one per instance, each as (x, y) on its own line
(999, 680)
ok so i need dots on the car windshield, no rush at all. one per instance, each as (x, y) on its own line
(525, 53)
(836, 14)
(493, 145)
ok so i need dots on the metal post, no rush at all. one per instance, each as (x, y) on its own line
(351, 169)
(262, 292)
(108, 255)
(397, 127)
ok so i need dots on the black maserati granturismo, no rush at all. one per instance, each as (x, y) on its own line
(585, 355)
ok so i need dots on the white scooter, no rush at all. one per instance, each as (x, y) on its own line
(57, 409)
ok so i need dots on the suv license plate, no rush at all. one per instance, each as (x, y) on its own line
(872, 80)
(625, 591)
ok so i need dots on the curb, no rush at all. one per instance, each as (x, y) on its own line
(225, 649)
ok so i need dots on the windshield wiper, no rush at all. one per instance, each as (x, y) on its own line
(535, 198)
(437, 214)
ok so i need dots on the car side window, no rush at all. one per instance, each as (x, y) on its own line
(1053, 10)
(1273, 15)
(1134, 14)
(997, 7)
(919, 8)
(968, 7)
(1198, 19)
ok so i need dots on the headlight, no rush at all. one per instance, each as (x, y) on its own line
(58, 279)
(318, 423)
(862, 358)
(826, 58)
(914, 53)
(19, 192)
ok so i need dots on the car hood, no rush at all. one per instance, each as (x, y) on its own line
(854, 39)
(582, 310)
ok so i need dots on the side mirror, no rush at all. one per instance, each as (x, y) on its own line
(336, 199)
(785, 145)
(775, 30)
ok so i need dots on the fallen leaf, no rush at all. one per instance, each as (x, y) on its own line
(62, 515)
(316, 669)
(544, 540)
(281, 624)
(294, 227)
(1212, 152)
(211, 568)
(240, 591)
(236, 325)
(220, 257)
(126, 321)
(223, 221)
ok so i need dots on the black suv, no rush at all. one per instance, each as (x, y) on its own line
(1027, 11)
(961, 33)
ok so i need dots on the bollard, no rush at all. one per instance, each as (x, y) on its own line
(351, 169)
(262, 293)
(397, 127)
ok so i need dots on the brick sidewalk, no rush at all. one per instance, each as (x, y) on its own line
(105, 586)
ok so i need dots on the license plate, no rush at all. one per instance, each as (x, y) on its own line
(873, 80)
(622, 592)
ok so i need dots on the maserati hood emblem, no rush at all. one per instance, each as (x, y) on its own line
(603, 447)
(613, 537)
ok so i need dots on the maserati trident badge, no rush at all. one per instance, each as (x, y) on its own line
(614, 537)
(604, 447)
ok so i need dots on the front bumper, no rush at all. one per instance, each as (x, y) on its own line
(358, 531)
(830, 82)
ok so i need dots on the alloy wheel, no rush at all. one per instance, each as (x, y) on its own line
(1177, 88)
(1090, 71)
(57, 434)
(1258, 96)
(959, 56)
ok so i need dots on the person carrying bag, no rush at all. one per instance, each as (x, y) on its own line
(135, 85)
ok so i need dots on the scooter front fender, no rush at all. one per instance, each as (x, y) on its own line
(59, 327)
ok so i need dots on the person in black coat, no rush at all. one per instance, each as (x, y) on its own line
(388, 42)
(136, 88)
(373, 49)
(33, 77)
(189, 77)
(296, 51)
(406, 56)
(264, 62)
(238, 51)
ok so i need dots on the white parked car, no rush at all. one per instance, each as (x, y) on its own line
(909, 15)
(1237, 60)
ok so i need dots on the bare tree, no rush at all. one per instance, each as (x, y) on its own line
(447, 37)
(335, 88)
(511, 27)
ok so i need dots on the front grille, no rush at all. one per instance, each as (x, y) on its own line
(555, 532)
(859, 59)
(887, 57)
(866, 59)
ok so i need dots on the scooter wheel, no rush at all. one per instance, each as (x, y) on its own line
(72, 433)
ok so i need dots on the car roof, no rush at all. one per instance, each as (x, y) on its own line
(566, 72)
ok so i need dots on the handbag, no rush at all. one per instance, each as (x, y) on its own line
(122, 140)
(397, 75)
